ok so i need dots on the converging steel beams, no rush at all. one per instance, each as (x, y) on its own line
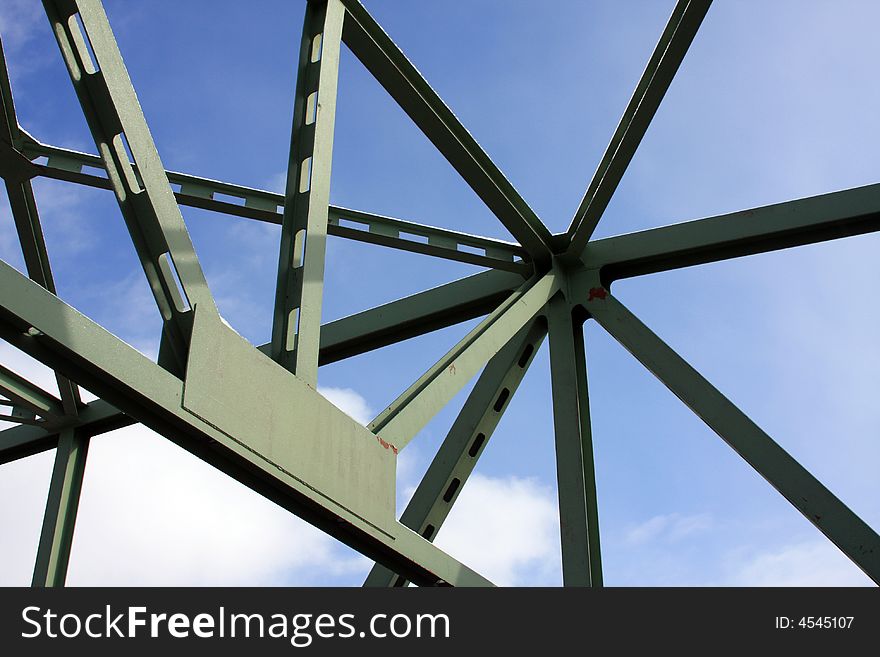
(64, 339)
(299, 291)
(467, 439)
(819, 505)
(670, 51)
(407, 415)
(375, 49)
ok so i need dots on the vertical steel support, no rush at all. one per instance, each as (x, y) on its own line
(136, 174)
(27, 220)
(818, 504)
(576, 480)
(296, 325)
(53, 553)
(465, 442)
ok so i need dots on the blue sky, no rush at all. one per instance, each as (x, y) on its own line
(774, 101)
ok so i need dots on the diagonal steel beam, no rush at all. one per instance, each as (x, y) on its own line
(668, 55)
(24, 213)
(44, 327)
(371, 329)
(575, 473)
(404, 418)
(145, 198)
(299, 291)
(65, 486)
(417, 314)
(251, 203)
(21, 391)
(759, 230)
(93, 418)
(819, 505)
(464, 444)
(375, 49)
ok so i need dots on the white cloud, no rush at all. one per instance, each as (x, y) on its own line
(666, 528)
(350, 402)
(507, 529)
(152, 514)
(809, 563)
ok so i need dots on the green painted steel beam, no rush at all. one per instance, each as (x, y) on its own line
(44, 327)
(299, 291)
(56, 537)
(413, 409)
(417, 314)
(748, 232)
(94, 418)
(23, 206)
(818, 505)
(193, 191)
(117, 124)
(378, 327)
(21, 391)
(575, 473)
(429, 240)
(664, 63)
(378, 53)
(464, 444)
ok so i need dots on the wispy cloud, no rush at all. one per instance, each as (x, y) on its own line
(667, 528)
(808, 563)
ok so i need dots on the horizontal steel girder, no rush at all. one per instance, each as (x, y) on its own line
(41, 325)
(251, 203)
(371, 329)
(758, 230)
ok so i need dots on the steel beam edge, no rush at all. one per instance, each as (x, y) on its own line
(466, 441)
(68, 341)
(836, 215)
(820, 506)
(674, 42)
(379, 54)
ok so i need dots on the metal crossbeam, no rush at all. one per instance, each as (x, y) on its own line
(758, 230)
(670, 51)
(293, 446)
(410, 412)
(121, 135)
(464, 444)
(93, 418)
(252, 203)
(23, 206)
(72, 343)
(378, 53)
(21, 391)
(818, 505)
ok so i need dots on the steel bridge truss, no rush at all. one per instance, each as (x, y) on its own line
(293, 446)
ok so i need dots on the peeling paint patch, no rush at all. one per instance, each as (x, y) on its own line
(386, 445)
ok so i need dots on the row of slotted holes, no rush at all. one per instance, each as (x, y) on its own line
(474, 450)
